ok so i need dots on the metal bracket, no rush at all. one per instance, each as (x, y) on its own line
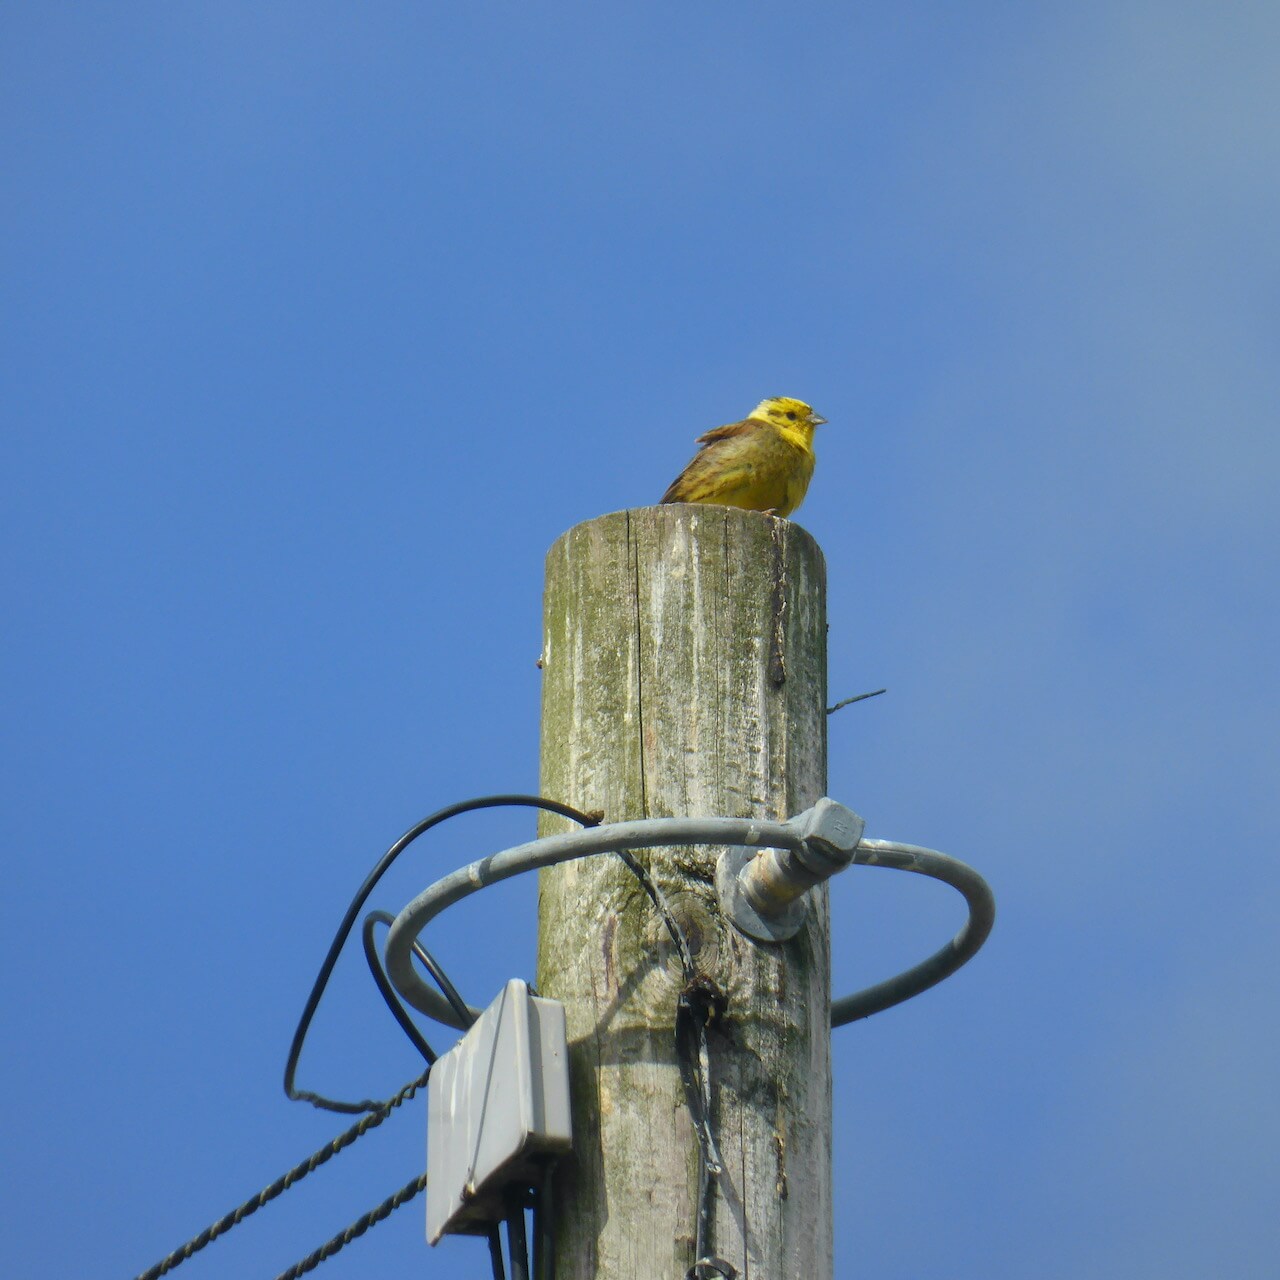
(796, 855)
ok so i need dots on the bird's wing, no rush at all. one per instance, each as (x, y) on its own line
(722, 464)
(729, 430)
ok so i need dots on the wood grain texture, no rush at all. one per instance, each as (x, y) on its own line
(684, 667)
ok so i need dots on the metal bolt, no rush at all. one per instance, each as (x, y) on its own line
(763, 892)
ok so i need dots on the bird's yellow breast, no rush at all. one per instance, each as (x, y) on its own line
(763, 463)
(766, 469)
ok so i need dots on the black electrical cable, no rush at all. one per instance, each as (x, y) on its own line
(383, 983)
(700, 1002)
(517, 1241)
(495, 1253)
(447, 989)
(393, 1002)
(655, 895)
(357, 903)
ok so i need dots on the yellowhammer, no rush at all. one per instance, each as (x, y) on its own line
(763, 463)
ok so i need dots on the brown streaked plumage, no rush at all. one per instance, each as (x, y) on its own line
(763, 463)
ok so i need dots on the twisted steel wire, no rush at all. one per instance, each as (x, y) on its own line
(356, 1229)
(285, 1181)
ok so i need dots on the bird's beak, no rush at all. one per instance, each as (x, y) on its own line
(816, 420)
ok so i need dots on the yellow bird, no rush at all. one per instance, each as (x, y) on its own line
(763, 463)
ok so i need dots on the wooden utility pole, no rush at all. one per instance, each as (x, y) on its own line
(684, 667)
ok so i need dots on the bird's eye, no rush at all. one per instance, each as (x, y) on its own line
(791, 415)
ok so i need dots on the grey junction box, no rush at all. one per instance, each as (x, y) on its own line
(497, 1107)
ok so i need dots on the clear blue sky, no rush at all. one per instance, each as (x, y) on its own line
(322, 322)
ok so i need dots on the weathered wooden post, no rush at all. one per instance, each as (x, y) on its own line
(684, 667)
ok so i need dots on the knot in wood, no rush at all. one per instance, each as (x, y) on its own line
(698, 919)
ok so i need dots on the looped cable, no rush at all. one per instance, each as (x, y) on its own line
(357, 903)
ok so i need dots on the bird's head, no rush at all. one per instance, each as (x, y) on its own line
(785, 412)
